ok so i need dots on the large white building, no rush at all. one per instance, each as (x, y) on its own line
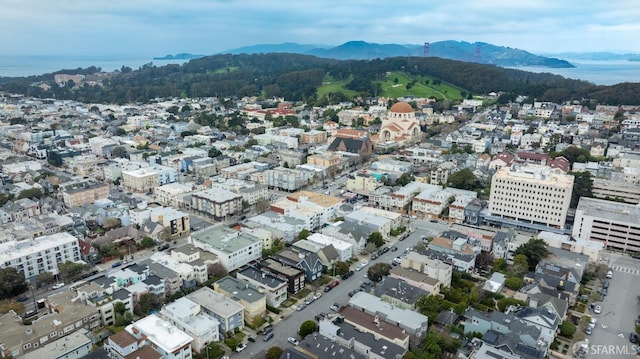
(535, 194)
(188, 316)
(161, 335)
(216, 203)
(614, 224)
(42, 254)
(235, 249)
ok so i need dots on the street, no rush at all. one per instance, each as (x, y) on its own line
(619, 308)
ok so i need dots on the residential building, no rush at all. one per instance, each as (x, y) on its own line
(398, 292)
(81, 193)
(413, 323)
(76, 345)
(287, 179)
(432, 267)
(146, 179)
(313, 208)
(309, 263)
(121, 344)
(228, 312)
(272, 286)
(417, 279)
(218, 204)
(533, 196)
(161, 335)
(171, 194)
(613, 224)
(32, 257)
(367, 323)
(61, 317)
(346, 336)
(234, 248)
(253, 301)
(294, 277)
(251, 192)
(363, 182)
(345, 249)
(22, 209)
(565, 242)
(187, 316)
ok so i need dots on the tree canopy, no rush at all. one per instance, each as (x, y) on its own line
(12, 282)
(535, 249)
(582, 187)
(464, 179)
(377, 271)
(307, 327)
(376, 238)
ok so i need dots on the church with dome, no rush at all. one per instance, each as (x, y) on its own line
(400, 126)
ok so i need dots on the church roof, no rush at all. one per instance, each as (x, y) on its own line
(401, 107)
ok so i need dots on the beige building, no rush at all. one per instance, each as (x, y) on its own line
(81, 193)
(535, 194)
(613, 224)
(324, 160)
(362, 182)
(628, 192)
(314, 137)
(216, 203)
(171, 194)
(253, 301)
(400, 125)
(434, 268)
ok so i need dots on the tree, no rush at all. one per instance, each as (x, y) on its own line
(30, 193)
(304, 234)
(500, 265)
(404, 179)
(376, 238)
(513, 283)
(431, 306)
(147, 303)
(307, 327)
(12, 282)
(44, 278)
(70, 270)
(520, 265)
(567, 329)
(582, 187)
(119, 152)
(274, 353)
(217, 270)
(147, 242)
(110, 223)
(377, 271)
(464, 179)
(214, 152)
(535, 249)
(342, 268)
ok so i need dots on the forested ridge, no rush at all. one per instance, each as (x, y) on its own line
(297, 77)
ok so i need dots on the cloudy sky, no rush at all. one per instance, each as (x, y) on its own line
(159, 27)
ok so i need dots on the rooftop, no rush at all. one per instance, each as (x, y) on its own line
(161, 333)
(612, 211)
(239, 289)
(215, 302)
(224, 239)
(402, 317)
(266, 279)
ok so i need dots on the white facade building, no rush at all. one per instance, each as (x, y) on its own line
(235, 249)
(42, 254)
(164, 337)
(615, 225)
(188, 316)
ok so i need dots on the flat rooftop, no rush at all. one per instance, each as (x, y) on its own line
(224, 239)
(611, 211)
(215, 302)
(162, 333)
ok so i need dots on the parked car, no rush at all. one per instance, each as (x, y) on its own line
(597, 309)
(374, 256)
(320, 316)
(241, 347)
(116, 264)
(301, 307)
(604, 291)
(251, 339)
(633, 338)
(23, 298)
(592, 323)
(267, 329)
(335, 307)
(394, 248)
(335, 283)
(267, 336)
(317, 295)
(588, 331)
(163, 247)
(347, 275)
(327, 288)
(609, 274)
(397, 260)
(293, 341)
(58, 285)
(605, 284)
(308, 301)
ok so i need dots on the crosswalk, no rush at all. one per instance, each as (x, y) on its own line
(626, 270)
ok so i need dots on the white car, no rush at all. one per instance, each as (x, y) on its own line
(592, 324)
(597, 309)
(293, 341)
(58, 285)
(317, 295)
(609, 274)
(241, 347)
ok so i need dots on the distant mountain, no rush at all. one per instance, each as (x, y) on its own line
(455, 50)
(180, 56)
(598, 56)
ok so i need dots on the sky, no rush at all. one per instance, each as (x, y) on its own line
(160, 27)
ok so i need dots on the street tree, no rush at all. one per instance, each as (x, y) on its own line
(274, 353)
(307, 327)
(12, 282)
(376, 238)
(377, 271)
(342, 268)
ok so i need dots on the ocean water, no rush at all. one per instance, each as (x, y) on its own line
(597, 72)
(11, 66)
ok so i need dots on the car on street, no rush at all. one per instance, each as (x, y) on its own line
(267, 336)
(23, 298)
(374, 256)
(609, 274)
(293, 341)
(347, 275)
(327, 288)
(604, 291)
(241, 347)
(301, 307)
(308, 301)
(335, 307)
(251, 339)
(597, 309)
(394, 248)
(592, 323)
(397, 260)
(317, 295)
(588, 331)
(58, 286)
(601, 297)
(633, 338)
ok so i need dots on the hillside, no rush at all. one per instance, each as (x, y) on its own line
(479, 52)
(302, 77)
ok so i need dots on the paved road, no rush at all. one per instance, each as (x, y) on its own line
(619, 309)
(289, 326)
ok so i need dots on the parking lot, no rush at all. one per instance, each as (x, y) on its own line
(620, 308)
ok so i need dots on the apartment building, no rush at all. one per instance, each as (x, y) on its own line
(432, 267)
(234, 248)
(363, 182)
(146, 179)
(313, 137)
(273, 287)
(533, 196)
(628, 192)
(32, 257)
(253, 301)
(161, 335)
(99, 295)
(64, 316)
(287, 179)
(292, 275)
(251, 192)
(81, 193)
(613, 224)
(171, 194)
(188, 316)
(313, 208)
(228, 312)
(216, 203)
